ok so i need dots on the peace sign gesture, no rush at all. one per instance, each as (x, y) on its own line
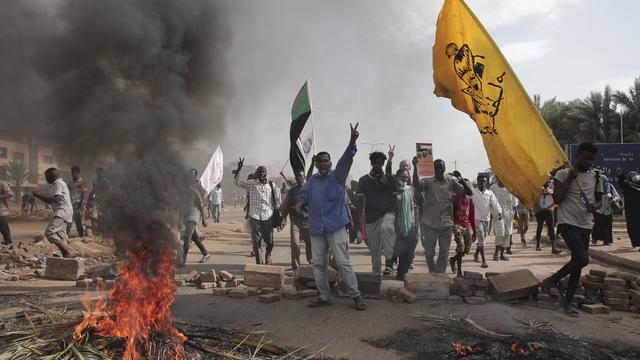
(391, 151)
(354, 133)
(240, 164)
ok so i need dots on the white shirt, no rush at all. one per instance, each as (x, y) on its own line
(486, 204)
(216, 196)
(62, 207)
(573, 209)
(506, 200)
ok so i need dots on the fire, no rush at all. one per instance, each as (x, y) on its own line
(524, 349)
(139, 304)
(464, 350)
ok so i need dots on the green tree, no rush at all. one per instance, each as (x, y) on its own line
(629, 104)
(18, 172)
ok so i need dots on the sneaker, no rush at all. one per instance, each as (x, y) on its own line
(504, 258)
(360, 305)
(556, 251)
(484, 265)
(205, 258)
(319, 302)
(387, 272)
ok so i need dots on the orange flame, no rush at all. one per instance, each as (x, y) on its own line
(138, 304)
(524, 350)
(464, 350)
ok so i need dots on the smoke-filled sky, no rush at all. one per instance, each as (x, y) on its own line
(369, 61)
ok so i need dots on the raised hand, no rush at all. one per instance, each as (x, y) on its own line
(391, 151)
(414, 161)
(354, 133)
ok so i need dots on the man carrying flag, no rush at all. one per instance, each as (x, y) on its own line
(469, 68)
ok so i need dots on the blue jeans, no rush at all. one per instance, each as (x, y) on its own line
(337, 243)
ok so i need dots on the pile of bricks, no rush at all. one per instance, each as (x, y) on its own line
(599, 291)
(472, 289)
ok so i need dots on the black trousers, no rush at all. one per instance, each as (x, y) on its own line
(545, 217)
(262, 234)
(4, 229)
(603, 228)
(405, 248)
(577, 240)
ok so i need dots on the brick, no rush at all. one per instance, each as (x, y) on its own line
(226, 284)
(547, 305)
(615, 294)
(461, 282)
(482, 283)
(475, 300)
(599, 273)
(615, 301)
(187, 277)
(579, 299)
(310, 284)
(545, 297)
(180, 282)
(392, 291)
(397, 299)
(261, 276)
(293, 294)
(454, 299)
(473, 275)
(209, 276)
(466, 293)
(407, 295)
(593, 278)
(615, 281)
(265, 290)
(83, 283)
(225, 275)
(428, 286)
(595, 308)
(237, 281)
(489, 274)
(619, 307)
(222, 284)
(634, 294)
(207, 285)
(219, 291)
(252, 291)
(305, 273)
(239, 293)
(592, 285)
(268, 298)
(309, 293)
(64, 268)
(369, 283)
(513, 285)
(480, 292)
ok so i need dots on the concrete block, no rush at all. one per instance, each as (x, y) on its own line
(475, 300)
(428, 286)
(544, 297)
(309, 293)
(268, 298)
(397, 299)
(595, 308)
(610, 281)
(84, 283)
(619, 307)
(226, 276)
(547, 305)
(252, 291)
(64, 268)
(593, 278)
(615, 288)
(293, 294)
(265, 290)
(457, 281)
(480, 292)
(305, 273)
(454, 300)
(261, 276)
(473, 275)
(219, 291)
(599, 273)
(579, 299)
(615, 301)
(482, 283)
(392, 291)
(635, 294)
(207, 285)
(209, 276)
(615, 294)
(514, 285)
(407, 295)
(239, 293)
(592, 285)
(489, 274)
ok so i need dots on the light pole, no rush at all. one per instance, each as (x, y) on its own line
(371, 144)
(621, 129)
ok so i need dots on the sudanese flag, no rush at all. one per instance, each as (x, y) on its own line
(300, 112)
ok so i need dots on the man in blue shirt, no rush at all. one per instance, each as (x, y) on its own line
(323, 195)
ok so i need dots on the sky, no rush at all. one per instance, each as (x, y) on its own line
(369, 62)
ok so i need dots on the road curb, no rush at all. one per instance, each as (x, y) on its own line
(607, 258)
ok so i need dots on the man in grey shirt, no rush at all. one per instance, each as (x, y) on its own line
(437, 213)
(58, 197)
(5, 195)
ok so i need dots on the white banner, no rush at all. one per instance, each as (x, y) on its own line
(307, 145)
(212, 175)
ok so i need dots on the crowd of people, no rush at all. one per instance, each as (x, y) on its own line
(391, 211)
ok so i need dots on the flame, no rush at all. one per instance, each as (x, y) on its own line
(463, 350)
(139, 303)
(524, 349)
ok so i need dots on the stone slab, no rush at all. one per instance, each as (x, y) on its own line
(269, 298)
(595, 308)
(513, 285)
(473, 275)
(64, 268)
(261, 276)
(428, 286)
(407, 295)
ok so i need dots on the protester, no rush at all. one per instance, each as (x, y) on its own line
(100, 190)
(545, 209)
(464, 229)
(247, 223)
(437, 213)
(299, 224)
(578, 192)
(77, 191)
(503, 228)
(631, 190)
(603, 217)
(216, 202)
(355, 211)
(523, 223)
(406, 227)
(323, 195)
(263, 203)
(376, 192)
(192, 215)
(486, 204)
(5, 195)
(58, 198)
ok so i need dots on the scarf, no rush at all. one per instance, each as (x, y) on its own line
(405, 210)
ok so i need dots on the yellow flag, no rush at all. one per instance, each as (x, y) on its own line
(469, 68)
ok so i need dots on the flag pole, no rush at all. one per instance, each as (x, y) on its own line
(313, 128)
(285, 165)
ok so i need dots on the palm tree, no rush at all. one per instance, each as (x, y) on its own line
(630, 110)
(18, 171)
